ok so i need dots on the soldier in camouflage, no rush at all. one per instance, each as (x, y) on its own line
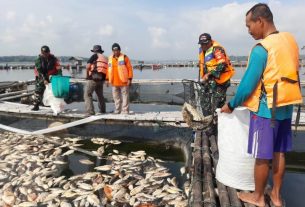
(46, 65)
(216, 71)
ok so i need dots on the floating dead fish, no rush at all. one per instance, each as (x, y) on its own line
(193, 118)
(31, 168)
(103, 168)
(59, 162)
(86, 162)
(27, 204)
(69, 152)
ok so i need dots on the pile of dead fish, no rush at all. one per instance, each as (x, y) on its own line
(31, 167)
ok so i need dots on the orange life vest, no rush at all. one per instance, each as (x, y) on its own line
(212, 63)
(280, 80)
(122, 69)
(100, 64)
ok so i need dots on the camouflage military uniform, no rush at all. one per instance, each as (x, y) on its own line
(214, 94)
(44, 67)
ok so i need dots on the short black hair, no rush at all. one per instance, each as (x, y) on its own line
(261, 10)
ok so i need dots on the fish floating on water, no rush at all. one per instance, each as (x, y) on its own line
(30, 175)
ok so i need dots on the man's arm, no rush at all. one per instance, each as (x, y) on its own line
(38, 65)
(91, 61)
(129, 68)
(252, 77)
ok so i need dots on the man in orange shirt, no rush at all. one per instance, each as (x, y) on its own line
(120, 75)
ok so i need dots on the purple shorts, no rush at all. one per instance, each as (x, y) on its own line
(265, 140)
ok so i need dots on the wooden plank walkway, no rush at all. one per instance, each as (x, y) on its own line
(173, 118)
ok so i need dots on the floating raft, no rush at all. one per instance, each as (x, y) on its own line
(150, 118)
(207, 191)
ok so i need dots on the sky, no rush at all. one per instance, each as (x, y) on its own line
(145, 29)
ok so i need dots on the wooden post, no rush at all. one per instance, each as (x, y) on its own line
(209, 199)
(222, 189)
(14, 93)
(197, 178)
(233, 197)
(17, 96)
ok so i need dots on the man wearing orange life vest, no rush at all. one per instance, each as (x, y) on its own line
(120, 74)
(96, 74)
(215, 69)
(269, 88)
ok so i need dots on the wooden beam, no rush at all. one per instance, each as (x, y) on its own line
(209, 199)
(197, 176)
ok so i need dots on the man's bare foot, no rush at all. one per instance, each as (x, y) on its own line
(252, 199)
(275, 199)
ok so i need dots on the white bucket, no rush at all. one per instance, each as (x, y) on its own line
(235, 166)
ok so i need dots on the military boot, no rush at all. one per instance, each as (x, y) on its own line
(35, 108)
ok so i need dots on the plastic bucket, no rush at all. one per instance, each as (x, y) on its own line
(60, 86)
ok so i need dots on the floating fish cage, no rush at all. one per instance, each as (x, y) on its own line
(95, 164)
(117, 160)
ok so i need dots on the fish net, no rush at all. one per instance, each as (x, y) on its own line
(201, 96)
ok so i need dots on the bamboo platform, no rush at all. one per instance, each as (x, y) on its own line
(207, 191)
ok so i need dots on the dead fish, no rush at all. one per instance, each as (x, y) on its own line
(136, 190)
(69, 152)
(65, 204)
(182, 170)
(115, 142)
(59, 162)
(85, 186)
(86, 162)
(93, 200)
(103, 168)
(27, 204)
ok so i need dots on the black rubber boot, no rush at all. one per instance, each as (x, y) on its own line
(35, 108)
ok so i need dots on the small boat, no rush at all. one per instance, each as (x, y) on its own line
(156, 66)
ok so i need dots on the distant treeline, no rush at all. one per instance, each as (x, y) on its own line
(23, 58)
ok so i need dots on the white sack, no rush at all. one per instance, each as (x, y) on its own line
(57, 104)
(235, 166)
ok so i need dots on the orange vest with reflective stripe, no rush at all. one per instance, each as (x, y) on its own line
(212, 64)
(122, 69)
(280, 78)
(101, 64)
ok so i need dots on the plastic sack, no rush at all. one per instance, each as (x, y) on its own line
(57, 104)
(60, 86)
(235, 166)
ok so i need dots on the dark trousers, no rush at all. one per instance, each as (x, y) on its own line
(97, 87)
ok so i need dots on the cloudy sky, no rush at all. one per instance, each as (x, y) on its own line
(145, 29)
